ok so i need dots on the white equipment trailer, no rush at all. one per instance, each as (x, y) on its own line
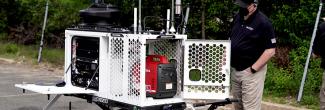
(107, 66)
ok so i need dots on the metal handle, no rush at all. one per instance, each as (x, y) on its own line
(166, 37)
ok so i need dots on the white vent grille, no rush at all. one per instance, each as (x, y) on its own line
(134, 56)
(211, 62)
(116, 66)
(211, 59)
(210, 89)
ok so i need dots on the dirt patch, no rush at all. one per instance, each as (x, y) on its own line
(32, 66)
(4, 60)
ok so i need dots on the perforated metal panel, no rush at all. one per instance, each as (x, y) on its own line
(166, 47)
(116, 66)
(173, 50)
(134, 64)
(212, 60)
(210, 89)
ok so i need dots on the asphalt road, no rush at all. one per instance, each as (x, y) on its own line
(12, 98)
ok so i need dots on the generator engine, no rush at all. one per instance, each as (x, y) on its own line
(85, 62)
(161, 77)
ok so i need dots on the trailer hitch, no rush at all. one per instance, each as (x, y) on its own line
(215, 105)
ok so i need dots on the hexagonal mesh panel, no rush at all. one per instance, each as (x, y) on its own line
(166, 47)
(211, 58)
(116, 66)
(207, 69)
(210, 89)
(134, 54)
(173, 50)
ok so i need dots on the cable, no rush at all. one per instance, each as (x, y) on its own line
(91, 80)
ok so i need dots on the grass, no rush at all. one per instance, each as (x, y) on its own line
(30, 53)
(282, 84)
(308, 101)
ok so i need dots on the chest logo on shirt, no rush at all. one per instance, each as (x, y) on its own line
(273, 41)
(249, 28)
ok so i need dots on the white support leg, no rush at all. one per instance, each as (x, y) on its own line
(48, 106)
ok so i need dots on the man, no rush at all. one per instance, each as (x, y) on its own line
(319, 50)
(252, 46)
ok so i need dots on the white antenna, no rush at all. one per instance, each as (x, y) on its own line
(172, 28)
(140, 30)
(135, 20)
(168, 21)
(178, 7)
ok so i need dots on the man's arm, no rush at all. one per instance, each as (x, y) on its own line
(264, 58)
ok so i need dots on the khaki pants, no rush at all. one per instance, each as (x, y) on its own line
(322, 94)
(249, 88)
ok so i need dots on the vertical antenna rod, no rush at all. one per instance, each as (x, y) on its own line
(178, 7)
(135, 20)
(186, 19)
(140, 30)
(168, 21)
(172, 28)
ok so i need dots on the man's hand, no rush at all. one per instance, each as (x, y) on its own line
(264, 58)
(248, 71)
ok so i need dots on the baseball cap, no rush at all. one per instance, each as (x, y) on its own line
(244, 3)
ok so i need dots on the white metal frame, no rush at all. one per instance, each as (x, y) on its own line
(134, 50)
(70, 34)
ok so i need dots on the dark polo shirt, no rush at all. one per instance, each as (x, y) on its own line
(249, 39)
(319, 43)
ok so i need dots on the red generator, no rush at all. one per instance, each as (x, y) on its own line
(161, 77)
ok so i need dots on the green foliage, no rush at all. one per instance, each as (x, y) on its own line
(292, 19)
(11, 49)
(64, 13)
(217, 18)
(3, 21)
(23, 19)
(310, 100)
(298, 57)
(284, 82)
(54, 56)
(3, 36)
